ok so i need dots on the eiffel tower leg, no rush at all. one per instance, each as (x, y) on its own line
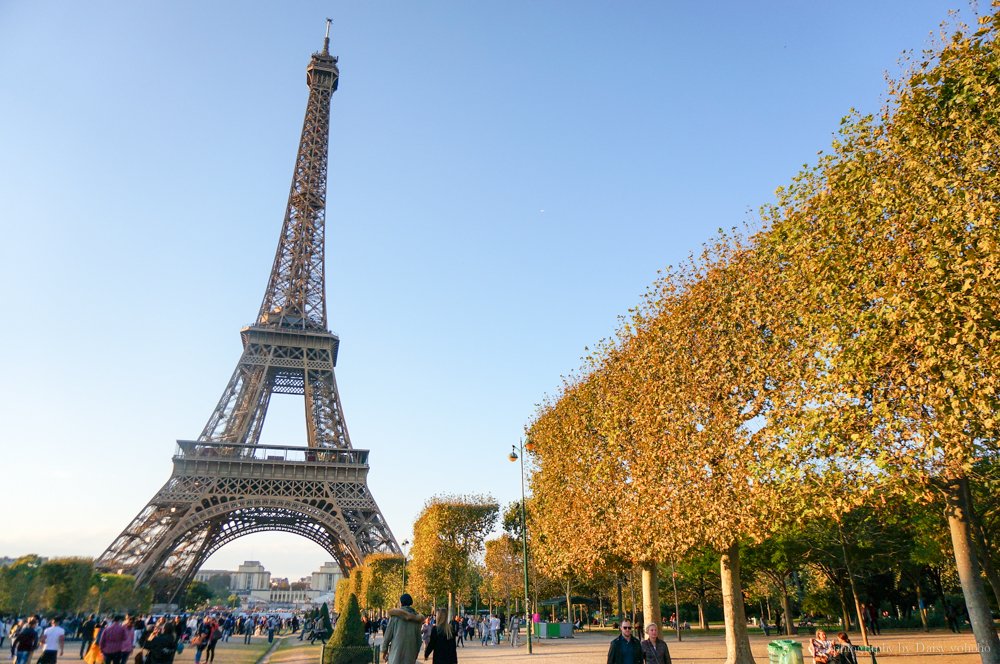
(211, 501)
(324, 414)
(240, 404)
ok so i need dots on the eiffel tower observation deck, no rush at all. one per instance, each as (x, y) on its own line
(227, 483)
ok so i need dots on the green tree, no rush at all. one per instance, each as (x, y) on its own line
(20, 586)
(67, 582)
(324, 615)
(196, 595)
(348, 644)
(219, 585)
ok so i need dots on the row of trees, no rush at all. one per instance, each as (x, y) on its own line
(840, 357)
(66, 586)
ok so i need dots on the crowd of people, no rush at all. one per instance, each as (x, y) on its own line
(156, 639)
(405, 633)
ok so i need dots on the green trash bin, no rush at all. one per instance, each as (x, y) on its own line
(775, 652)
(792, 651)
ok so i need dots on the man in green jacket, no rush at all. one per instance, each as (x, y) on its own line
(401, 643)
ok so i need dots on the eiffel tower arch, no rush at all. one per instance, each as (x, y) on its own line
(228, 484)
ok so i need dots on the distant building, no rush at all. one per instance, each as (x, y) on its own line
(206, 575)
(326, 578)
(252, 583)
(251, 576)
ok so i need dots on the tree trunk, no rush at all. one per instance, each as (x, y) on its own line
(621, 605)
(854, 590)
(650, 595)
(737, 639)
(983, 551)
(786, 608)
(702, 623)
(677, 604)
(569, 604)
(631, 595)
(921, 605)
(845, 614)
(959, 516)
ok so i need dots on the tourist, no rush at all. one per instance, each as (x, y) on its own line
(425, 630)
(820, 648)
(843, 650)
(484, 631)
(53, 642)
(654, 649)
(24, 642)
(625, 648)
(162, 646)
(128, 641)
(458, 627)
(442, 640)
(112, 641)
(515, 631)
(401, 643)
(86, 633)
(213, 638)
(201, 639)
(495, 630)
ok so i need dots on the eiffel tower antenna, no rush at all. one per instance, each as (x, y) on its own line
(227, 483)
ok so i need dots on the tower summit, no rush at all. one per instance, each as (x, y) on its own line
(227, 483)
(295, 295)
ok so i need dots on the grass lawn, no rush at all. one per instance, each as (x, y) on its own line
(293, 651)
(233, 652)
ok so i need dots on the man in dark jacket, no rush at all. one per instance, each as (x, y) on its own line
(625, 649)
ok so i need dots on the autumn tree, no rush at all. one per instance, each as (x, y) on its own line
(447, 534)
(503, 569)
(899, 224)
(382, 580)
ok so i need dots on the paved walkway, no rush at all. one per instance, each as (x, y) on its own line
(906, 647)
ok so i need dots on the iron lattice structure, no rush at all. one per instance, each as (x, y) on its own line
(228, 484)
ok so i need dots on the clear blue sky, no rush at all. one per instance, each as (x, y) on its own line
(505, 180)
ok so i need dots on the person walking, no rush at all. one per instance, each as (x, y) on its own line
(442, 642)
(401, 643)
(654, 649)
(213, 639)
(25, 642)
(625, 648)
(162, 646)
(112, 641)
(53, 643)
(515, 631)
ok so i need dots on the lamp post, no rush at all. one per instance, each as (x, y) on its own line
(100, 593)
(403, 545)
(514, 456)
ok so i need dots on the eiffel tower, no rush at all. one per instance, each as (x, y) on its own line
(227, 484)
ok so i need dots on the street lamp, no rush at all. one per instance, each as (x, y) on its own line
(100, 593)
(514, 456)
(403, 544)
